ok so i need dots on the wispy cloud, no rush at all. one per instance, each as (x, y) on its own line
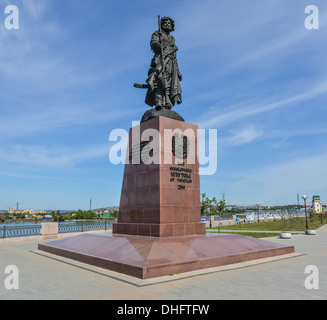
(243, 111)
(30, 122)
(241, 136)
(44, 156)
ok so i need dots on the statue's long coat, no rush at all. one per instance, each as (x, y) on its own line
(172, 72)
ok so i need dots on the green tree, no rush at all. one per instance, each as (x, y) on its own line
(220, 206)
(114, 214)
(205, 205)
(21, 216)
(79, 214)
(211, 206)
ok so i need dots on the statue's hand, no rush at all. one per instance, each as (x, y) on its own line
(156, 47)
(180, 77)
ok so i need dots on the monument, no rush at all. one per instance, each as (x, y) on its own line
(159, 229)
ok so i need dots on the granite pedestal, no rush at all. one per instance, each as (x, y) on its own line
(161, 198)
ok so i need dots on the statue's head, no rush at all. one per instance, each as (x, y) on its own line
(167, 24)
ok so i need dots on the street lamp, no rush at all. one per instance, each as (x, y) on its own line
(210, 210)
(304, 197)
(258, 205)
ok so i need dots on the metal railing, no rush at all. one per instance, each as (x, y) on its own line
(63, 227)
(84, 226)
(223, 218)
(19, 231)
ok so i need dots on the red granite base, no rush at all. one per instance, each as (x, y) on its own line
(161, 199)
(160, 230)
(152, 257)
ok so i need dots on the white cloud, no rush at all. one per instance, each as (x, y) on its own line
(43, 156)
(241, 136)
(258, 107)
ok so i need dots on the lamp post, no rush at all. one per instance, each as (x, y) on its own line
(258, 205)
(210, 210)
(212, 202)
(304, 197)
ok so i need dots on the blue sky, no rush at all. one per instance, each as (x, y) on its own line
(251, 70)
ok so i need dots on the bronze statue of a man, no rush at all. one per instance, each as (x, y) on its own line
(164, 77)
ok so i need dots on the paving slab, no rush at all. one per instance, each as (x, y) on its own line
(46, 277)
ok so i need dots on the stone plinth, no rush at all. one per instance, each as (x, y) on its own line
(160, 194)
(49, 230)
(155, 257)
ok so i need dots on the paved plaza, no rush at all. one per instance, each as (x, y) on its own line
(43, 276)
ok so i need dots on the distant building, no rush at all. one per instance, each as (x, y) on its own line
(31, 211)
(23, 211)
(316, 204)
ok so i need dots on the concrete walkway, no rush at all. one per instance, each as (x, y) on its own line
(44, 277)
(253, 231)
